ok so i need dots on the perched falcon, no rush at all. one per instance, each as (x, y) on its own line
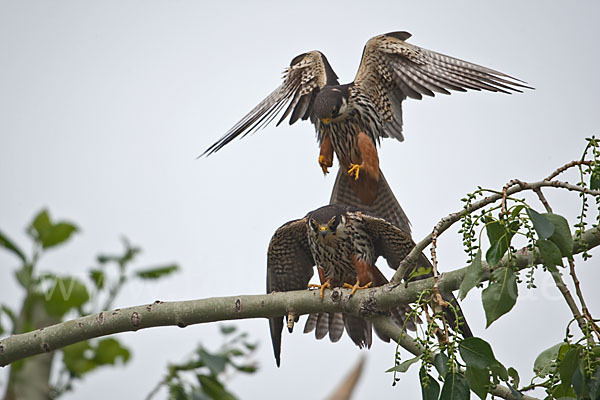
(350, 119)
(344, 244)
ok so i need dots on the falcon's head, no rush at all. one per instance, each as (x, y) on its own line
(328, 223)
(331, 103)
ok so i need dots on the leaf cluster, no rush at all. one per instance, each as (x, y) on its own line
(62, 295)
(203, 377)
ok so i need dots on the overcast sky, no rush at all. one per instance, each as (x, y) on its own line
(104, 107)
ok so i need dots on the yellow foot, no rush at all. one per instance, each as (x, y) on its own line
(354, 170)
(325, 164)
(356, 286)
(320, 287)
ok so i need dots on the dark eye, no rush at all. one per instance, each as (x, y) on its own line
(333, 223)
(314, 225)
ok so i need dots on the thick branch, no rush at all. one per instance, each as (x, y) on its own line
(182, 313)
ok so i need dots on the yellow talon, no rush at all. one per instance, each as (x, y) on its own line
(356, 286)
(320, 287)
(324, 165)
(354, 170)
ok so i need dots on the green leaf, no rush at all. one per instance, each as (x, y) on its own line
(477, 353)
(420, 272)
(76, 358)
(97, 277)
(10, 245)
(595, 178)
(564, 392)
(567, 366)
(541, 224)
(472, 277)
(562, 234)
(579, 382)
(48, 234)
(501, 294)
(543, 362)
(403, 366)
(65, 294)
(514, 376)
(216, 363)
(430, 388)
(227, 329)
(108, 351)
(499, 241)
(157, 272)
(479, 381)
(440, 362)
(550, 253)
(177, 392)
(40, 224)
(516, 210)
(24, 275)
(58, 234)
(455, 387)
(213, 388)
(499, 371)
(248, 369)
(11, 315)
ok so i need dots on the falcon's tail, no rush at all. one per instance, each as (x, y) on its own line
(333, 324)
(359, 329)
(384, 206)
(276, 327)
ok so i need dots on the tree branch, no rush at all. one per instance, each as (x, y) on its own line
(368, 302)
(513, 187)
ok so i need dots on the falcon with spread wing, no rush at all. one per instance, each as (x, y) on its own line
(344, 243)
(351, 119)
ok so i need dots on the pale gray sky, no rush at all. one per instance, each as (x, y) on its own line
(104, 107)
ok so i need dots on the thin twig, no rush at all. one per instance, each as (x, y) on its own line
(564, 290)
(584, 309)
(566, 167)
(542, 198)
(450, 219)
(511, 183)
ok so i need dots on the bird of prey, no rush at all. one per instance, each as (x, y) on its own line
(344, 244)
(351, 119)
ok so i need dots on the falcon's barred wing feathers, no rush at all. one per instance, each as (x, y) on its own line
(306, 75)
(289, 267)
(392, 69)
(389, 241)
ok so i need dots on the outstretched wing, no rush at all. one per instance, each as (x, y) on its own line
(302, 80)
(392, 69)
(289, 267)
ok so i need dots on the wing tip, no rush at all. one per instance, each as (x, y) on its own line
(401, 35)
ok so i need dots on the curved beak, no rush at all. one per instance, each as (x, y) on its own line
(325, 120)
(323, 230)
